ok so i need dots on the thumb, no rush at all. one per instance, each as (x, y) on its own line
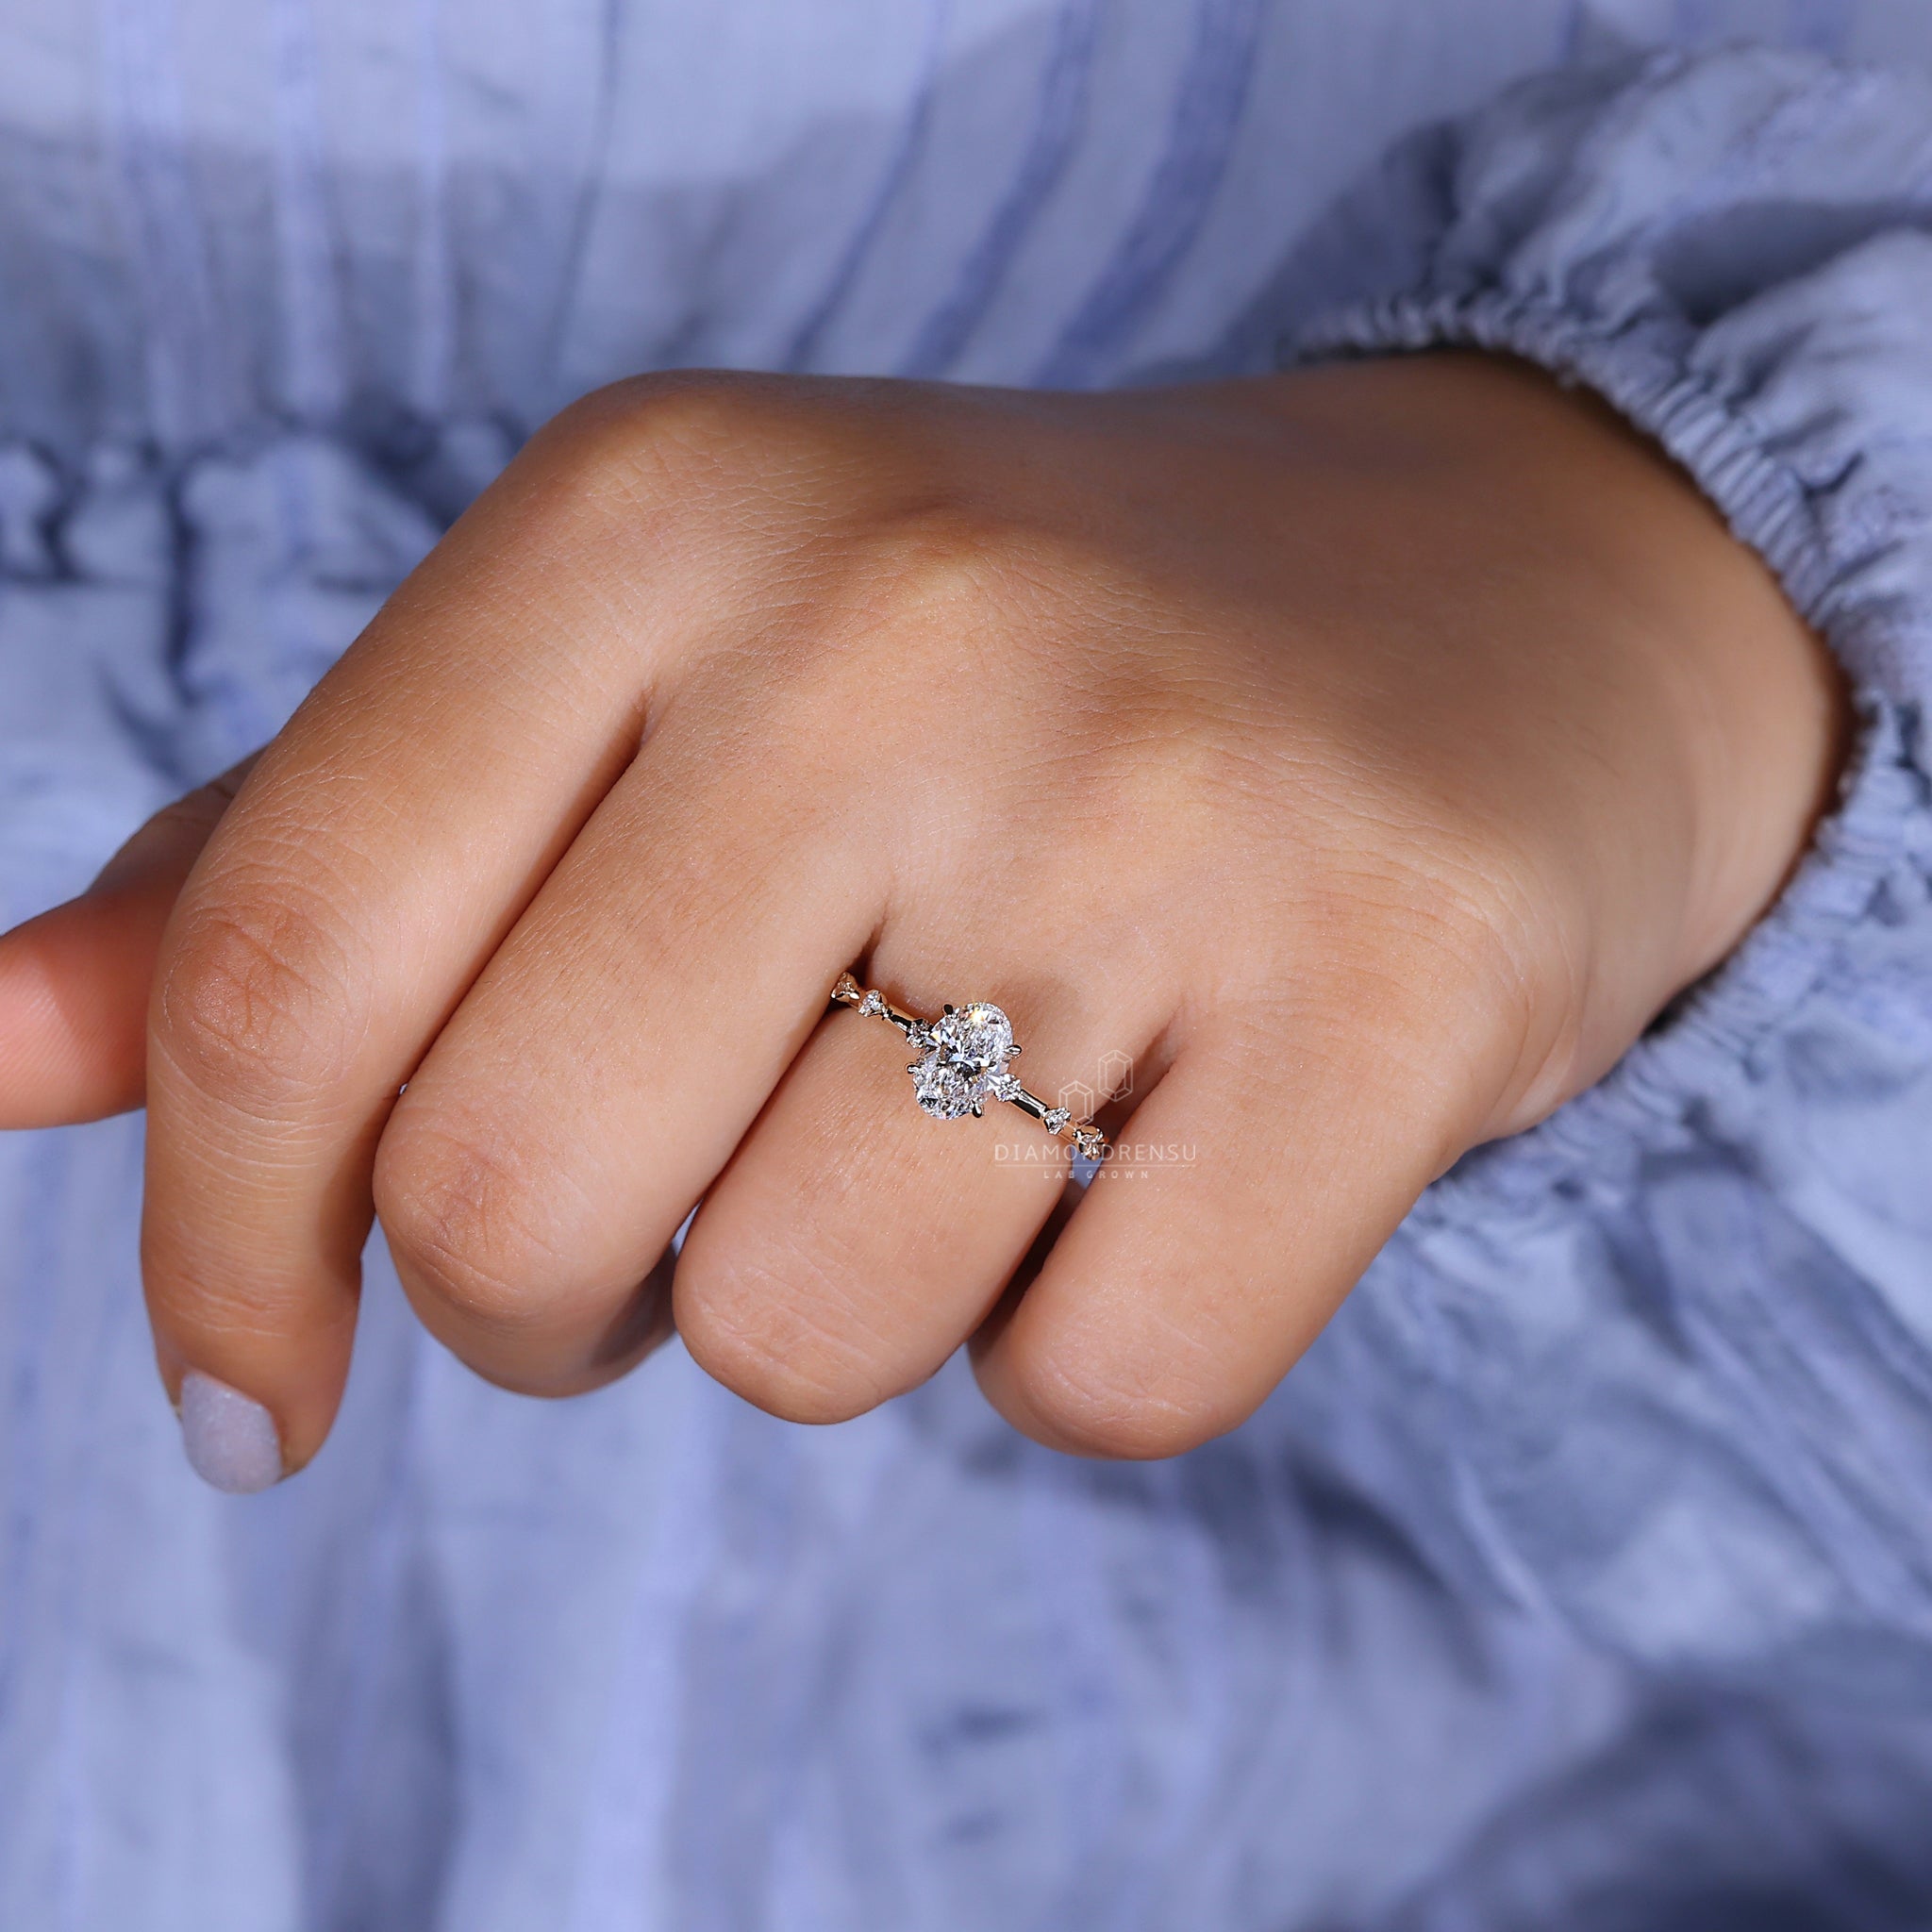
(73, 982)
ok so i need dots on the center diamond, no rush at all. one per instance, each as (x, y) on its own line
(965, 1061)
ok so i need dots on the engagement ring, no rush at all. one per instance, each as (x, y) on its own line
(963, 1064)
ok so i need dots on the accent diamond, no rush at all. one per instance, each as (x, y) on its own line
(965, 1063)
(1054, 1119)
(872, 1003)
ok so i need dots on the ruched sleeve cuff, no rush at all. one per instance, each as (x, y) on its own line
(1679, 1339)
(1735, 251)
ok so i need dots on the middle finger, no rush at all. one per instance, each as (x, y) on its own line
(625, 1033)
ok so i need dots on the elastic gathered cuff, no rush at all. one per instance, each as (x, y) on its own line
(1879, 829)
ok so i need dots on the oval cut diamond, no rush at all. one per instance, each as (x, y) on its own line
(965, 1063)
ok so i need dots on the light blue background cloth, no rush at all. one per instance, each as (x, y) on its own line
(1581, 1577)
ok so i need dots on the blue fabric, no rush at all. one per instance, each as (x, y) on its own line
(1581, 1577)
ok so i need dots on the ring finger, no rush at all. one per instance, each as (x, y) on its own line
(853, 1242)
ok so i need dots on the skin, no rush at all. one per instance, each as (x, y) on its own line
(1370, 752)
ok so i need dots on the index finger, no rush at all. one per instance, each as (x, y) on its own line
(382, 846)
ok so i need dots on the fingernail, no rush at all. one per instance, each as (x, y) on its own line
(230, 1440)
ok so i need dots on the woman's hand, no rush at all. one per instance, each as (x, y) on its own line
(1368, 755)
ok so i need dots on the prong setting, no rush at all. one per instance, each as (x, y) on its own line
(963, 1064)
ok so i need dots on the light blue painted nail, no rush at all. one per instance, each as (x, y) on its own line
(230, 1440)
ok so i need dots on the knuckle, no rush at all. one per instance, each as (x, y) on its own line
(1117, 1408)
(930, 559)
(1415, 873)
(971, 581)
(256, 1003)
(665, 439)
(766, 1333)
(925, 608)
(715, 478)
(456, 1216)
(1449, 975)
(1185, 784)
